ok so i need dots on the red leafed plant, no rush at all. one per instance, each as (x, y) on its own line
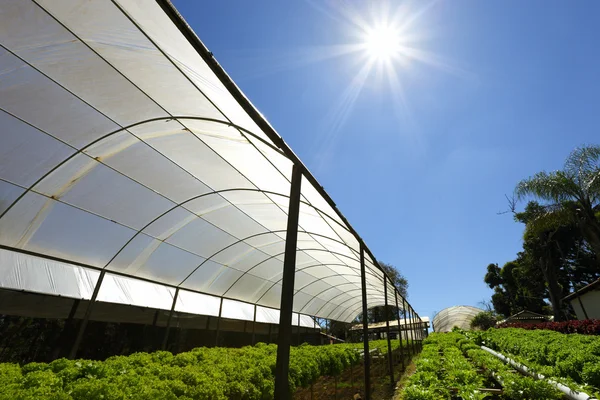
(586, 327)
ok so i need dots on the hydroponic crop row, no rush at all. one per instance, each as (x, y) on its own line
(204, 373)
(450, 364)
(570, 358)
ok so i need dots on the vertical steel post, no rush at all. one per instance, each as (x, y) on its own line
(387, 331)
(86, 317)
(399, 332)
(421, 331)
(298, 341)
(417, 330)
(166, 337)
(282, 364)
(155, 319)
(254, 326)
(363, 281)
(412, 329)
(218, 324)
(404, 312)
(66, 331)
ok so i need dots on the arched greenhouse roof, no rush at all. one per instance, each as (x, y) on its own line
(125, 148)
(450, 317)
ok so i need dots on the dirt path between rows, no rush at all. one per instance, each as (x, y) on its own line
(351, 383)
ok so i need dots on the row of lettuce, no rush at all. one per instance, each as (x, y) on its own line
(569, 358)
(451, 365)
(204, 373)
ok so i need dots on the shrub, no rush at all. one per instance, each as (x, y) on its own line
(585, 327)
(484, 321)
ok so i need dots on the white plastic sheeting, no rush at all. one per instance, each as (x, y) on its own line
(197, 303)
(121, 150)
(450, 317)
(34, 274)
(125, 290)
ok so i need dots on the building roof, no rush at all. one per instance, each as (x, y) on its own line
(592, 286)
(525, 315)
(128, 151)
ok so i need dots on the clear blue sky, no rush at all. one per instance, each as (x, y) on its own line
(502, 89)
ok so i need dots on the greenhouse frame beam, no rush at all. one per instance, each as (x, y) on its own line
(126, 128)
(218, 323)
(404, 315)
(298, 341)
(399, 331)
(387, 332)
(413, 334)
(86, 317)
(366, 354)
(166, 337)
(284, 333)
(254, 325)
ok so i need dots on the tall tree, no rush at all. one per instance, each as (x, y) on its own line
(570, 195)
(518, 285)
(555, 259)
(559, 249)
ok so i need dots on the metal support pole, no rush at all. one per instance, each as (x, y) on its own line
(412, 329)
(363, 281)
(155, 319)
(407, 327)
(86, 317)
(254, 326)
(282, 365)
(218, 324)
(298, 341)
(387, 331)
(399, 332)
(166, 338)
(68, 326)
(422, 331)
(418, 330)
(73, 311)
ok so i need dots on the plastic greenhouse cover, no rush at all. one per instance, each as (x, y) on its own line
(450, 317)
(123, 151)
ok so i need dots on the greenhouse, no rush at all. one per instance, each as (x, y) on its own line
(138, 184)
(459, 316)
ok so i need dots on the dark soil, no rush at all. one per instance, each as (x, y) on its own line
(351, 382)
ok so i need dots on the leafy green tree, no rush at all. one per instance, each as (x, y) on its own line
(556, 258)
(559, 248)
(570, 195)
(484, 320)
(518, 285)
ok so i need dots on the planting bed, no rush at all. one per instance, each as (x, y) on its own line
(204, 373)
(452, 366)
(572, 359)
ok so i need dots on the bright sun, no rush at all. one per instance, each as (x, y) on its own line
(382, 42)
